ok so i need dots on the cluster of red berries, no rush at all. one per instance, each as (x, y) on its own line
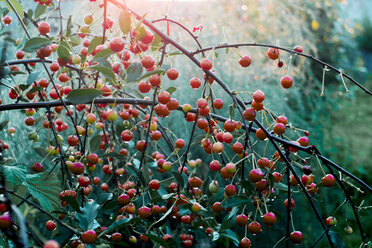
(44, 2)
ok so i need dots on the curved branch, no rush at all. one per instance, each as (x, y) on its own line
(289, 51)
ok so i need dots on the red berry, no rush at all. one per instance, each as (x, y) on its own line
(44, 28)
(245, 61)
(116, 44)
(206, 64)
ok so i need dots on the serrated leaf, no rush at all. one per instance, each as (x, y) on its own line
(94, 143)
(134, 72)
(35, 43)
(125, 22)
(45, 188)
(88, 215)
(14, 174)
(82, 96)
(39, 10)
(73, 202)
(171, 90)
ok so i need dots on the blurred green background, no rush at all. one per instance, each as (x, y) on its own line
(338, 32)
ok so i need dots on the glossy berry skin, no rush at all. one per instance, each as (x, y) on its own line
(279, 128)
(206, 64)
(51, 244)
(77, 168)
(5, 221)
(172, 73)
(296, 237)
(245, 242)
(116, 237)
(258, 96)
(195, 83)
(116, 45)
(255, 175)
(241, 220)
(331, 221)
(245, 61)
(144, 212)
(269, 219)
(89, 237)
(292, 203)
(50, 225)
(44, 28)
(286, 82)
(254, 227)
(273, 53)
(154, 184)
(328, 180)
(7, 20)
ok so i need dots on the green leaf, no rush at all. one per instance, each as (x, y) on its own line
(35, 89)
(117, 225)
(171, 90)
(102, 55)
(106, 71)
(336, 239)
(81, 96)
(63, 52)
(148, 74)
(134, 72)
(39, 10)
(18, 7)
(74, 204)
(125, 22)
(113, 155)
(3, 124)
(88, 214)
(94, 43)
(45, 187)
(32, 77)
(156, 239)
(36, 43)
(141, 33)
(69, 26)
(162, 220)
(179, 179)
(234, 201)
(231, 235)
(157, 43)
(14, 174)
(94, 143)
